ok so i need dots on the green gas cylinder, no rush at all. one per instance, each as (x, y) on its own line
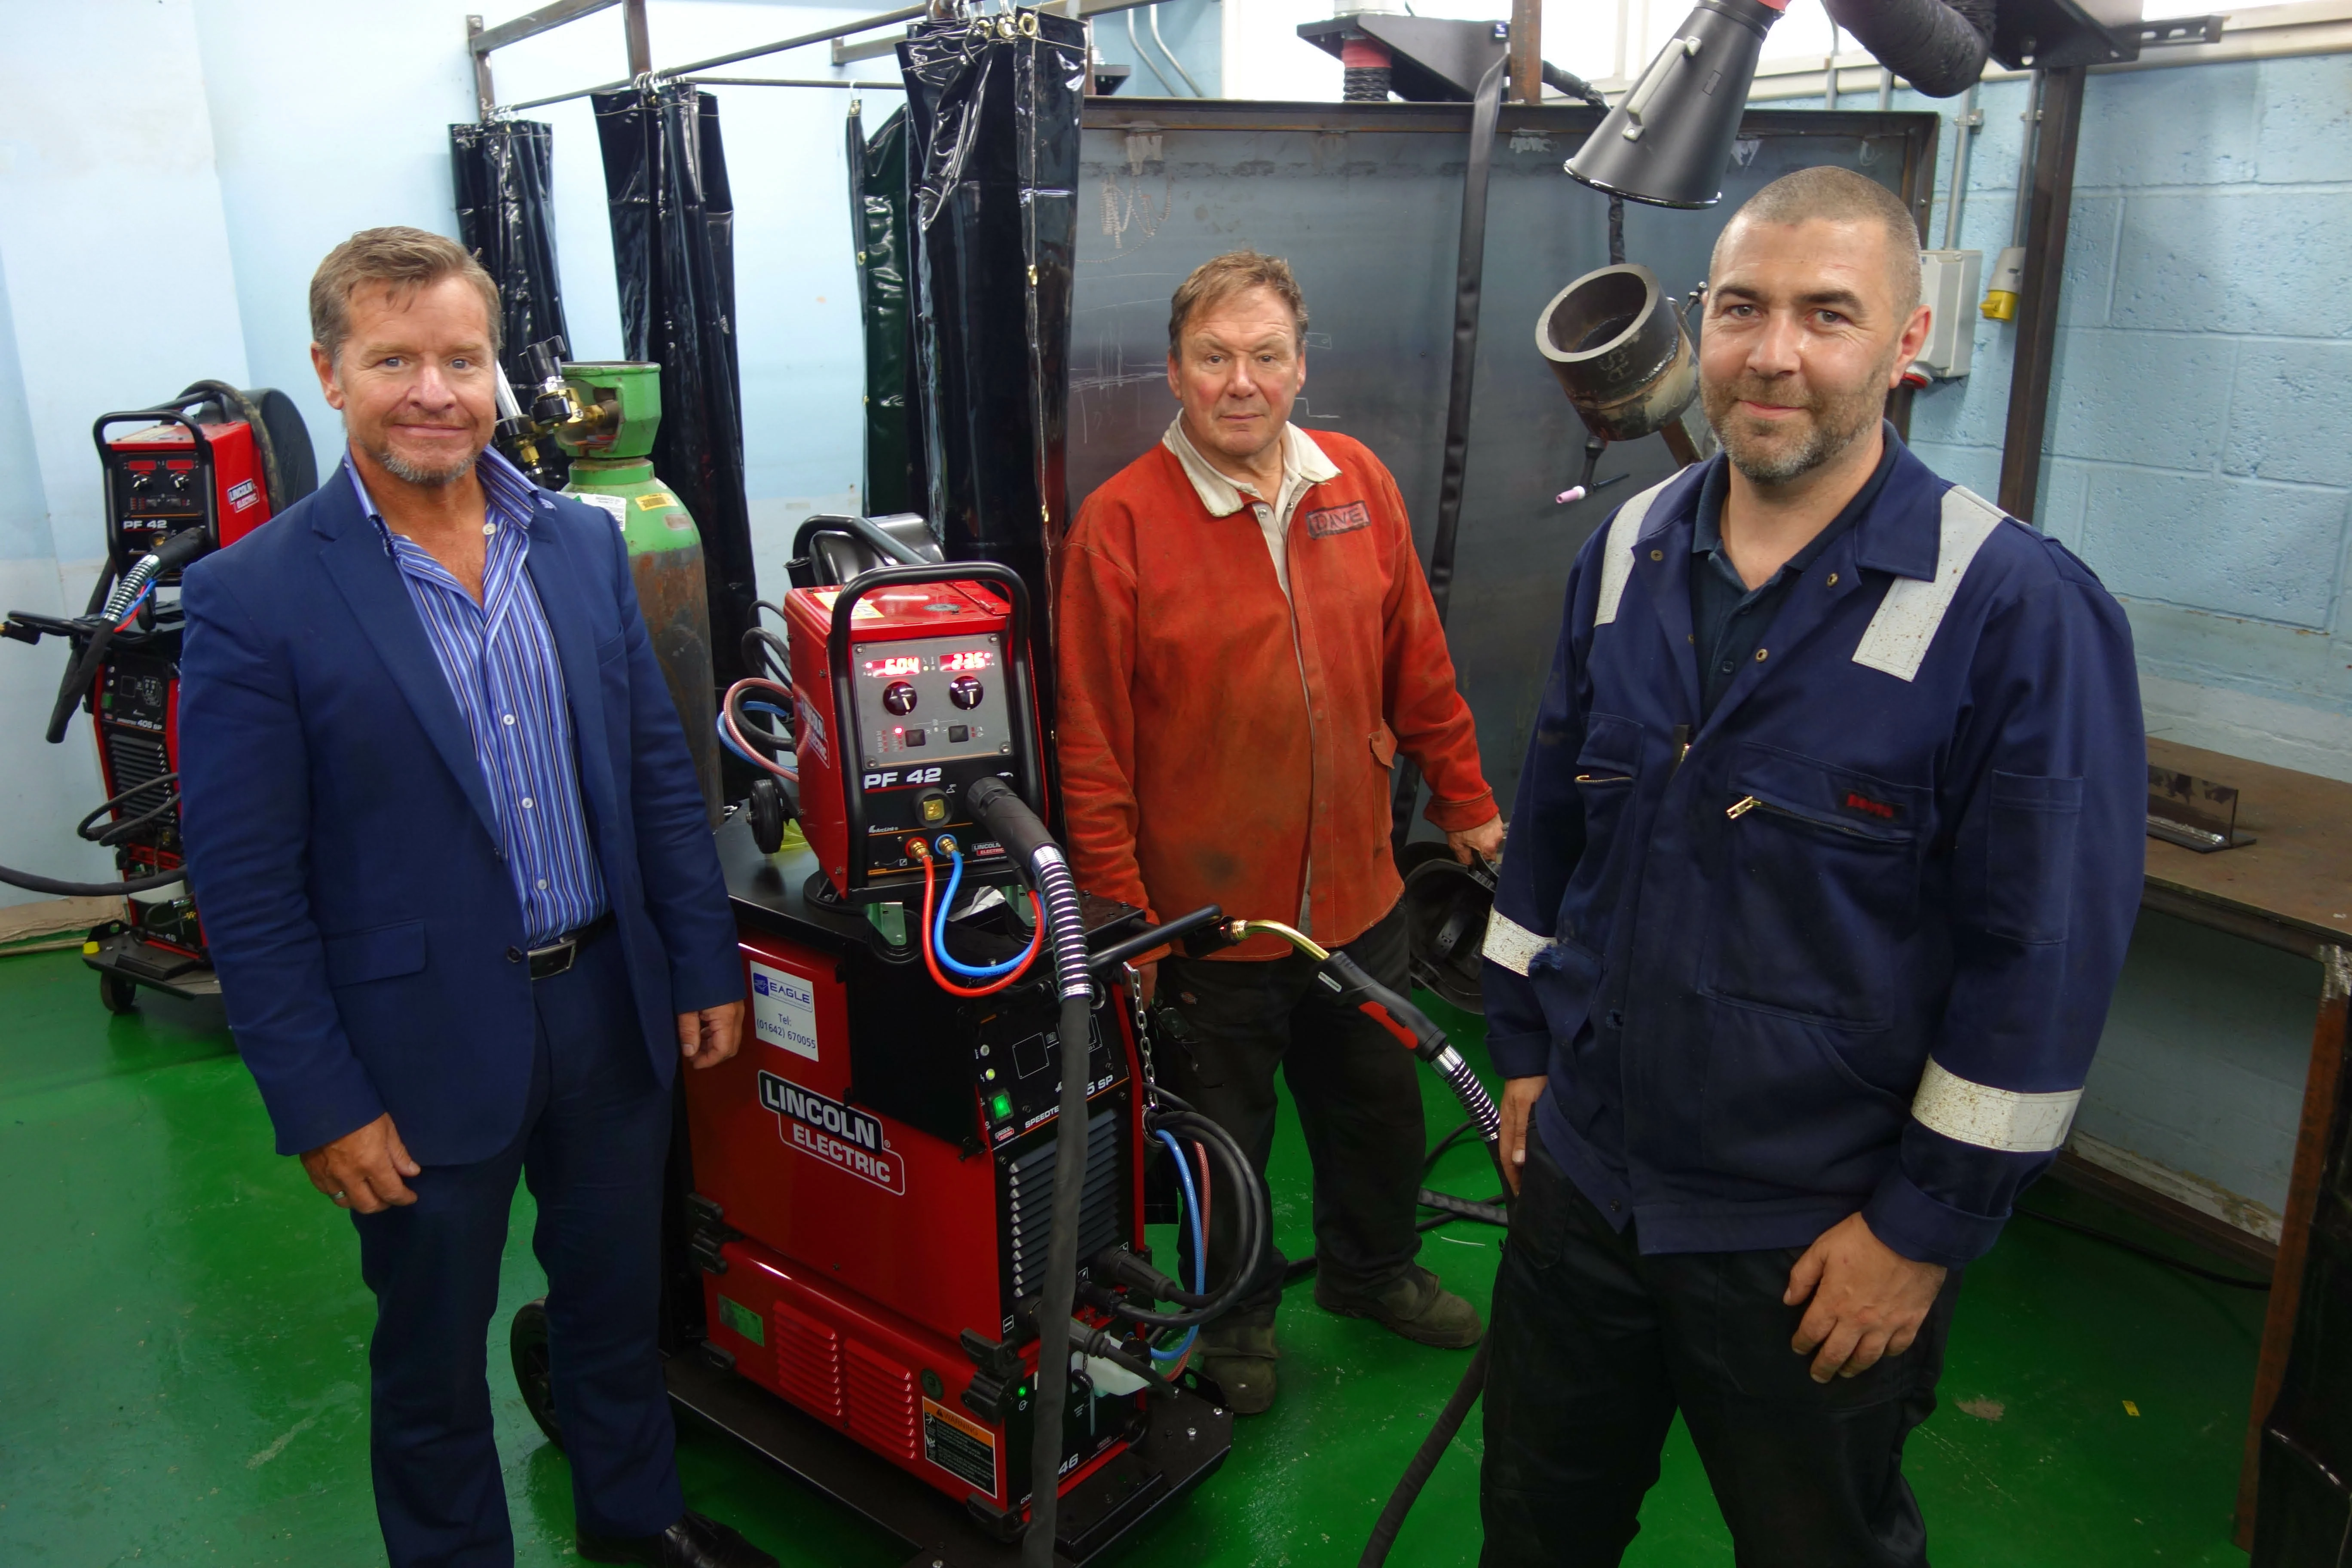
(618, 408)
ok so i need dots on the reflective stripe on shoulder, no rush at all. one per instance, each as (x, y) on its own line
(1991, 1118)
(1898, 636)
(1511, 945)
(1617, 558)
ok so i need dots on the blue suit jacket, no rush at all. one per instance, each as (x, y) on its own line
(341, 845)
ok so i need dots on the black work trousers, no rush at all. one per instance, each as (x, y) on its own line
(1595, 1346)
(1358, 1104)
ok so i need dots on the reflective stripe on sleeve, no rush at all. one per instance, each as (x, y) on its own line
(1898, 636)
(1509, 943)
(1991, 1118)
(1617, 558)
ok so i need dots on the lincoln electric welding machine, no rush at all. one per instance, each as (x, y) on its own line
(869, 1221)
(193, 475)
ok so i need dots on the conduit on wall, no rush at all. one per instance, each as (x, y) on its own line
(674, 257)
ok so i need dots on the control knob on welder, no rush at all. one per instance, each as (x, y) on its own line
(965, 691)
(900, 697)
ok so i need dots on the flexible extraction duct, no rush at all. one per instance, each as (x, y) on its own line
(1939, 48)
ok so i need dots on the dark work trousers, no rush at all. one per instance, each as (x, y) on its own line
(1358, 1104)
(590, 1145)
(1596, 1346)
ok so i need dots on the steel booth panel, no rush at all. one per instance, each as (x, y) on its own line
(1365, 201)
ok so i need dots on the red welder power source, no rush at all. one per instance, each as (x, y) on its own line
(192, 476)
(918, 1187)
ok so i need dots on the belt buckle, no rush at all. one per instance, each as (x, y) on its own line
(569, 949)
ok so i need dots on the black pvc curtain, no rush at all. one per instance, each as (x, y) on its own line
(674, 255)
(880, 218)
(506, 216)
(994, 106)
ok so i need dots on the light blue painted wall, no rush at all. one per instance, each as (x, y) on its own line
(1194, 29)
(175, 169)
(2197, 458)
(2199, 452)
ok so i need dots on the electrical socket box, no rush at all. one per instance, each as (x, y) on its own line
(1947, 287)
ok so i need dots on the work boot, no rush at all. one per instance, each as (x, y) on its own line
(694, 1542)
(1413, 1305)
(1239, 1359)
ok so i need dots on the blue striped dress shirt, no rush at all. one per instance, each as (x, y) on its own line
(501, 662)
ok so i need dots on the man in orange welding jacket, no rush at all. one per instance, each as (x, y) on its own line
(1246, 643)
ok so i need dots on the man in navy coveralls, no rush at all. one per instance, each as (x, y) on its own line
(1823, 860)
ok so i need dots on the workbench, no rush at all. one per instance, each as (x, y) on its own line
(2292, 890)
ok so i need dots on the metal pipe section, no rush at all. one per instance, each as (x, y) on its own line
(822, 35)
(1965, 133)
(1151, 15)
(1135, 43)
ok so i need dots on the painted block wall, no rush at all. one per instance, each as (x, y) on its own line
(2197, 455)
(2195, 459)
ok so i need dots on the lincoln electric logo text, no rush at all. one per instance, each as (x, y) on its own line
(833, 1132)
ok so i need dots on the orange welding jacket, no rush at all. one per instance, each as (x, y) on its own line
(1210, 751)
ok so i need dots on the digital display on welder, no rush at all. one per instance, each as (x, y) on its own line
(941, 698)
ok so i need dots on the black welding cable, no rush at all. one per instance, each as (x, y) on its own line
(1014, 824)
(55, 888)
(115, 833)
(1425, 1459)
(1483, 1112)
(1255, 1227)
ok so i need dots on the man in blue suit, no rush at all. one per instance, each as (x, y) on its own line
(459, 883)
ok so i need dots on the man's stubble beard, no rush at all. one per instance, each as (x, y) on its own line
(1837, 423)
(401, 468)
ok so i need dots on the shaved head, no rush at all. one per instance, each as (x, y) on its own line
(1837, 195)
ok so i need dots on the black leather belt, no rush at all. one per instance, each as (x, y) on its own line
(556, 956)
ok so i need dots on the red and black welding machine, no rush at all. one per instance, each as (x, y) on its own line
(870, 1267)
(198, 474)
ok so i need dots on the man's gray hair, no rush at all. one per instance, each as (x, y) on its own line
(1841, 195)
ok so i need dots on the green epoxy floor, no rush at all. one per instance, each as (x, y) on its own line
(183, 1367)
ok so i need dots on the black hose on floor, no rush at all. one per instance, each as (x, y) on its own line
(1424, 1460)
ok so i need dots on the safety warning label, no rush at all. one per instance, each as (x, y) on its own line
(961, 1448)
(783, 1010)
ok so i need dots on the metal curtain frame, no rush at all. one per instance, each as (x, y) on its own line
(480, 40)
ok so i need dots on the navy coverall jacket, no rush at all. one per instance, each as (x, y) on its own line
(1848, 944)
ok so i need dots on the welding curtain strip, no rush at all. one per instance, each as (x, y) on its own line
(674, 255)
(994, 106)
(897, 477)
(506, 216)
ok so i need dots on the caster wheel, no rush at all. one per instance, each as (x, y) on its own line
(119, 994)
(527, 1339)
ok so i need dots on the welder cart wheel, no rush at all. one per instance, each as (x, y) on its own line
(120, 996)
(527, 1339)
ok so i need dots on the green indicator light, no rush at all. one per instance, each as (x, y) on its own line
(1001, 1106)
